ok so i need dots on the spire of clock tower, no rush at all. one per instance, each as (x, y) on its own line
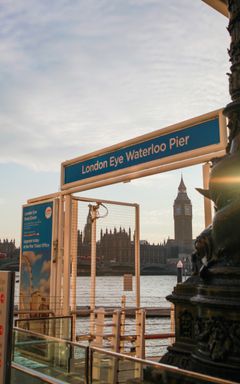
(87, 228)
(182, 186)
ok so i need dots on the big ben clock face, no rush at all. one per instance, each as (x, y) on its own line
(188, 210)
(178, 210)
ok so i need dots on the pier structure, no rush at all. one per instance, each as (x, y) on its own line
(50, 223)
(207, 336)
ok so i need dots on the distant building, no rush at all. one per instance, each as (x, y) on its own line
(9, 255)
(115, 252)
(115, 248)
(9, 248)
(182, 209)
(181, 246)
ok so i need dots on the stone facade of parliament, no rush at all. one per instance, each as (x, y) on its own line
(9, 255)
(115, 248)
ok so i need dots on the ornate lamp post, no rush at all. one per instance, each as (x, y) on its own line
(207, 305)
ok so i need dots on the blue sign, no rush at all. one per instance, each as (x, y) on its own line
(162, 146)
(37, 223)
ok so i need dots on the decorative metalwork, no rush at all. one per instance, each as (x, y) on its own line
(220, 336)
(203, 250)
(224, 185)
(186, 324)
(232, 110)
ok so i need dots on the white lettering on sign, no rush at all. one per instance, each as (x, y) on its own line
(178, 141)
(140, 153)
(115, 161)
(94, 167)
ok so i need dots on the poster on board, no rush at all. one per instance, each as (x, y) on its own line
(36, 254)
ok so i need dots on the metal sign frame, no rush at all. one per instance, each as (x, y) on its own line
(125, 172)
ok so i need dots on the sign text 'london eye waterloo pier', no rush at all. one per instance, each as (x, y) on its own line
(200, 138)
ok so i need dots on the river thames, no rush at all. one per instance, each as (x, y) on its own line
(109, 292)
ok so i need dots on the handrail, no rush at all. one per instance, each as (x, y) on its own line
(160, 366)
(36, 374)
(49, 319)
(43, 318)
(56, 339)
(165, 367)
(25, 312)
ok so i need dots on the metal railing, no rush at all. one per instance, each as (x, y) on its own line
(111, 367)
(113, 329)
(18, 372)
(56, 326)
(136, 335)
(67, 361)
(52, 356)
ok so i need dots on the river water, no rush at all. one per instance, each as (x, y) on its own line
(109, 290)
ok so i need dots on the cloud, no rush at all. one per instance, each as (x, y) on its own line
(150, 181)
(78, 76)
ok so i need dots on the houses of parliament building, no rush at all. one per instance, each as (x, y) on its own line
(115, 248)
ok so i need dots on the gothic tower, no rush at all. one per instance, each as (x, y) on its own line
(182, 212)
(88, 228)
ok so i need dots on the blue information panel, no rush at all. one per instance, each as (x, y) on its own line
(162, 146)
(37, 225)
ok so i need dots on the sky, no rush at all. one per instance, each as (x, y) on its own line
(77, 76)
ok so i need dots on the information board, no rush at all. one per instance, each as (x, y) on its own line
(7, 280)
(195, 137)
(36, 253)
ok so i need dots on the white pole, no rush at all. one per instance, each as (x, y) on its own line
(53, 271)
(67, 256)
(74, 244)
(93, 267)
(59, 257)
(137, 255)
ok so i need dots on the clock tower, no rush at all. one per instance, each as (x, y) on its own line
(182, 212)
